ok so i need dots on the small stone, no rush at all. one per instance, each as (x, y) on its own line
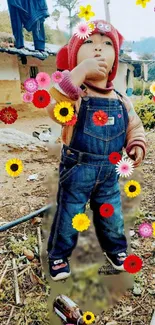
(29, 254)
(112, 323)
(132, 233)
(23, 209)
(137, 290)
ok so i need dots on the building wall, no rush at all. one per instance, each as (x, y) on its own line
(120, 83)
(10, 87)
(48, 66)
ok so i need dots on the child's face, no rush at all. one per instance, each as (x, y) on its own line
(97, 44)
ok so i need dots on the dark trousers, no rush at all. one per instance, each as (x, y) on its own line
(18, 17)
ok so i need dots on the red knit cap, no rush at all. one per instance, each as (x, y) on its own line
(62, 58)
(107, 29)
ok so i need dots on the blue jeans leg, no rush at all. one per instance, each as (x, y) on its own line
(63, 237)
(110, 231)
(38, 32)
(17, 26)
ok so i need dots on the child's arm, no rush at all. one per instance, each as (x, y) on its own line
(135, 138)
(77, 76)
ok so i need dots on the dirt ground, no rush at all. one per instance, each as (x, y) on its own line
(19, 197)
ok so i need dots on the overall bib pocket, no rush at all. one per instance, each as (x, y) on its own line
(67, 167)
(109, 131)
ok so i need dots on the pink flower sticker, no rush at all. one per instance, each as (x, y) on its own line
(119, 115)
(27, 97)
(31, 85)
(145, 230)
(57, 76)
(43, 79)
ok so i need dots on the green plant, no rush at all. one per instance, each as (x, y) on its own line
(138, 88)
(146, 110)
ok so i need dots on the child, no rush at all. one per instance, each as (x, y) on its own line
(85, 170)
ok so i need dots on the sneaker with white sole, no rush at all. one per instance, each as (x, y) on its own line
(59, 269)
(117, 260)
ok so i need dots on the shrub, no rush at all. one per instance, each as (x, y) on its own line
(146, 110)
(138, 88)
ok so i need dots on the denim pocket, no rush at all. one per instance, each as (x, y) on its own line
(66, 168)
(106, 132)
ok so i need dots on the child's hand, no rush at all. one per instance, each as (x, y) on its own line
(95, 68)
(136, 154)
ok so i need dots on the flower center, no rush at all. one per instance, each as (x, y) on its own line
(41, 98)
(64, 111)
(14, 167)
(88, 317)
(86, 12)
(125, 168)
(42, 79)
(132, 188)
(132, 264)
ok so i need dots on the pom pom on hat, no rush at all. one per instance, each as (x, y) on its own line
(62, 58)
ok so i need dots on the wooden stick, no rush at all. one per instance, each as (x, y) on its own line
(153, 319)
(3, 274)
(11, 313)
(40, 250)
(17, 295)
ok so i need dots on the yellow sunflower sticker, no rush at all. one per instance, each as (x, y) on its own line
(88, 317)
(64, 112)
(14, 167)
(143, 3)
(132, 188)
(85, 12)
(80, 222)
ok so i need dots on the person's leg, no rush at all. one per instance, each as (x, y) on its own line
(109, 230)
(71, 200)
(38, 33)
(17, 26)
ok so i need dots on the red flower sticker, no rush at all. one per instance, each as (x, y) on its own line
(8, 115)
(133, 264)
(73, 121)
(41, 98)
(115, 157)
(100, 118)
(106, 210)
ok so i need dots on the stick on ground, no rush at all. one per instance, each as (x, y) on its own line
(40, 250)
(17, 295)
(10, 316)
(3, 273)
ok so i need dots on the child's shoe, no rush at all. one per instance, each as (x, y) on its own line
(59, 269)
(117, 260)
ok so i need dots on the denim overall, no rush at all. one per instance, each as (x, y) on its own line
(85, 172)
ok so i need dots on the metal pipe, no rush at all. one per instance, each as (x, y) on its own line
(16, 222)
(107, 11)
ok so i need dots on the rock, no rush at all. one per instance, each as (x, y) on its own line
(112, 323)
(28, 253)
(36, 220)
(137, 290)
(14, 138)
(132, 233)
(23, 209)
(32, 177)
